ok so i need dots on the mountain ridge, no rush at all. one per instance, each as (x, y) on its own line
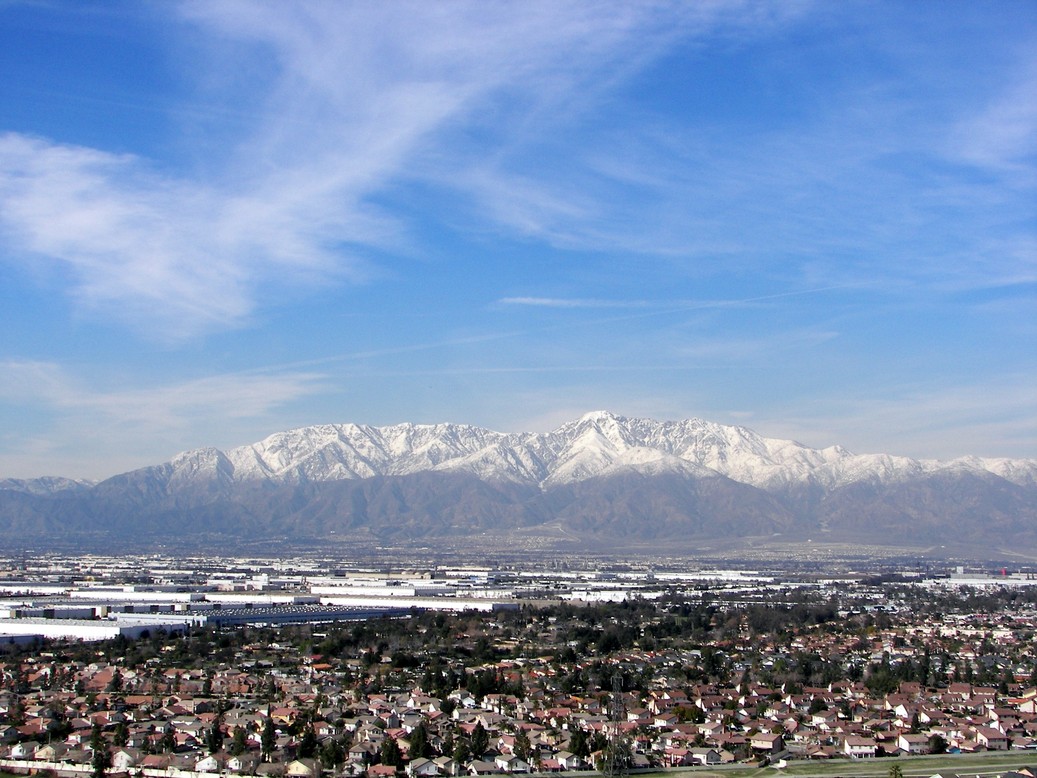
(577, 450)
(602, 477)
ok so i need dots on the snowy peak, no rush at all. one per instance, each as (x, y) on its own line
(346, 451)
(592, 446)
(45, 485)
(599, 479)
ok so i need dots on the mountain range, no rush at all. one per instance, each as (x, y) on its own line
(601, 481)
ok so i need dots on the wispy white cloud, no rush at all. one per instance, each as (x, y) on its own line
(359, 97)
(1002, 136)
(106, 429)
(666, 305)
(175, 256)
(867, 188)
(993, 418)
(547, 409)
(234, 395)
(133, 240)
(562, 302)
(726, 350)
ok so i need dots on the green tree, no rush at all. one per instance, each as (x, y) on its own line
(96, 738)
(100, 762)
(391, 754)
(214, 737)
(332, 753)
(268, 739)
(308, 742)
(895, 771)
(447, 744)
(578, 744)
(238, 743)
(1007, 681)
(480, 740)
(462, 751)
(168, 741)
(419, 745)
(523, 748)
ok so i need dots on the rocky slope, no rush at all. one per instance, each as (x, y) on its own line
(600, 478)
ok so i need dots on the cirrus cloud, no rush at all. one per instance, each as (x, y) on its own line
(352, 100)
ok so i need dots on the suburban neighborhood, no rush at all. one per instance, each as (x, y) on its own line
(676, 681)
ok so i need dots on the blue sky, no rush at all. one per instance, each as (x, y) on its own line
(219, 220)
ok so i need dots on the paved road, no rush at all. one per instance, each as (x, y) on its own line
(984, 763)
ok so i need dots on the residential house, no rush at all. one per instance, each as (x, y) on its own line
(857, 747)
(209, 764)
(123, 759)
(303, 768)
(481, 767)
(52, 752)
(569, 761)
(422, 768)
(767, 743)
(913, 744)
(446, 765)
(24, 750)
(243, 763)
(991, 739)
(705, 756)
(510, 763)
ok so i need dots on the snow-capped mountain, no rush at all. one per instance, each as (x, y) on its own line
(592, 446)
(45, 485)
(601, 477)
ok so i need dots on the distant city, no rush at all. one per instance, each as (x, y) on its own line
(175, 667)
(97, 598)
